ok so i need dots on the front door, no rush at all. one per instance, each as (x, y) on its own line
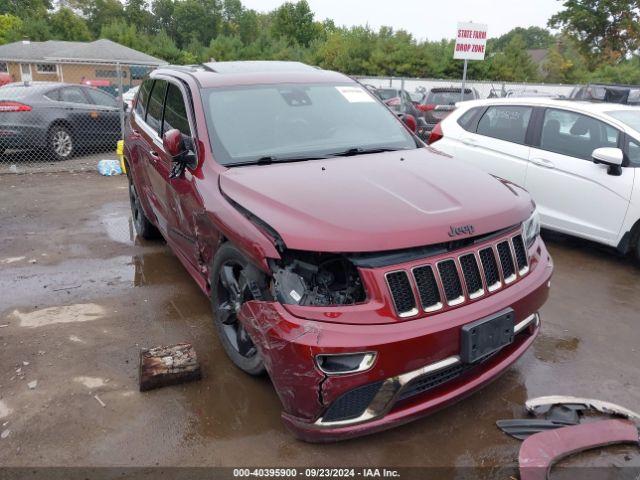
(573, 194)
(107, 116)
(182, 199)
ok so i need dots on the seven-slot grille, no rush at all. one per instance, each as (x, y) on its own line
(453, 281)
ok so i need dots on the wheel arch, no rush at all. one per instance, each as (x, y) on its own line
(63, 122)
(630, 239)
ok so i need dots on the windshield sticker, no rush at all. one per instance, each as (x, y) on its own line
(355, 94)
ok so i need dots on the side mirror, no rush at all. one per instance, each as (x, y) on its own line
(612, 157)
(180, 148)
(410, 121)
(173, 142)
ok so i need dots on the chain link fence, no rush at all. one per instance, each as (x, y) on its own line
(485, 89)
(63, 116)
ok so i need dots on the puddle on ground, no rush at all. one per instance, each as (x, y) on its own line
(82, 312)
(119, 226)
(552, 349)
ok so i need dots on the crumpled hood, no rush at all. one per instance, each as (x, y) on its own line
(375, 202)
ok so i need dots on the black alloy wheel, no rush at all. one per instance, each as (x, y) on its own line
(234, 283)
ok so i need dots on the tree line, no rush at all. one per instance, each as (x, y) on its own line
(592, 40)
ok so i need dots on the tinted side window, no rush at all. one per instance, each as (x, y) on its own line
(156, 101)
(101, 98)
(466, 119)
(72, 95)
(143, 97)
(53, 95)
(505, 123)
(576, 135)
(175, 112)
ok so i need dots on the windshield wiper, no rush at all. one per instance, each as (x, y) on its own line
(364, 151)
(269, 159)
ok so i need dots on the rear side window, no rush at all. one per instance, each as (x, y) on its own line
(505, 122)
(448, 97)
(101, 98)
(53, 95)
(175, 112)
(575, 135)
(466, 120)
(156, 101)
(143, 97)
(72, 95)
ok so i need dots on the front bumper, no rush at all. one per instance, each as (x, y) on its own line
(408, 352)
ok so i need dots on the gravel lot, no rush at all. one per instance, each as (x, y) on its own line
(80, 296)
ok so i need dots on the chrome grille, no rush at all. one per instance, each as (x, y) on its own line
(521, 254)
(490, 268)
(427, 288)
(506, 262)
(402, 294)
(449, 282)
(472, 276)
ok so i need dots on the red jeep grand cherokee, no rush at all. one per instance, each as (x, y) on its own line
(373, 279)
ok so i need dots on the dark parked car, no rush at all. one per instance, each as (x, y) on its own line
(398, 100)
(62, 118)
(373, 279)
(439, 102)
(610, 93)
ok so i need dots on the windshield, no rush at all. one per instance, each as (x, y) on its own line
(387, 93)
(628, 117)
(280, 122)
(447, 98)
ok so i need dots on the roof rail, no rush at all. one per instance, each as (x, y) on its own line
(186, 68)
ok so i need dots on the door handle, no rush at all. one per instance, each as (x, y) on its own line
(542, 162)
(154, 155)
(135, 134)
(469, 141)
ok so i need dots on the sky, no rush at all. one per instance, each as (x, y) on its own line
(428, 19)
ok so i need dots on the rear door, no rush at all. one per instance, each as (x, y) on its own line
(497, 145)
(573, 194)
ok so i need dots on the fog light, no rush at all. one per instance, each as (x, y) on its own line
(342, 364)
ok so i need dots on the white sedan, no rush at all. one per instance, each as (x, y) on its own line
(577, 159)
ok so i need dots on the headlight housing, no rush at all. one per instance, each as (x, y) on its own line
(531, 229)
(316, 279)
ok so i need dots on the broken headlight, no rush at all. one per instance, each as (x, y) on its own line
(531, 228)
(316, 279)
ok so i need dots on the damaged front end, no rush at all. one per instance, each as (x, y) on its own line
(316, 279)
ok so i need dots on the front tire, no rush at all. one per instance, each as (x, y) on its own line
(61, 144)
(235, 281)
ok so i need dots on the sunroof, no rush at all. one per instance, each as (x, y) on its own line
(258, 66)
